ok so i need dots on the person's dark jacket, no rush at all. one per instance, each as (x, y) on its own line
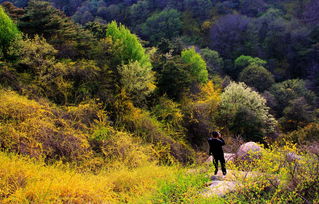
(215, 147)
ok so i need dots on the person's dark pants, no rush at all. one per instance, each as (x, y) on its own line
(222, 162)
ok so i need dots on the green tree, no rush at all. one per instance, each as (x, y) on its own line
(8, 33)
(166, 24)
(181, 73)
(13, 12)
(174, 78)
(257, 76)
(131, 65)
(196, 65)
(139, 12)
(126, 46)
(297, 115)
(136, 80)
(200, 8)
(244, 113)
(289, 90)
(243, 61)
(214, 61)
(70, 39)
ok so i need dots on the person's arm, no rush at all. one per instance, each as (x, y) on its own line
(221, 141)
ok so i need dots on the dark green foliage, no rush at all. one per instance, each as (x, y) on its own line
(289, 90)
(164, 25)
(13, 12)
(200, 8)
(257, 76)
(213, 60)
(85, 78)
(244, 61)
(180, 74)
(174, 78)
(98, 29)
(139, 12)
(69, 38)
(297, 114)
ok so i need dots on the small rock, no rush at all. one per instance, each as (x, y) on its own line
(290, 157)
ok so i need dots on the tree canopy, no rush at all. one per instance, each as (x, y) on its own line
(257, 76)
(195, 64)
(126, 46)
(244, 112)
(8, 32)
(166, 24)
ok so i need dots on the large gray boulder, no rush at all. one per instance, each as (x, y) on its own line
(249, 151)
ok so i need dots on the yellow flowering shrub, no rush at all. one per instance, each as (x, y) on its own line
(23, 180)
(283, 174)
(39, 130)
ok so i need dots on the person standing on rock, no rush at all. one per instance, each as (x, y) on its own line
(215, 148)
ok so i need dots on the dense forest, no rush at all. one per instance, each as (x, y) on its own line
(113, 101)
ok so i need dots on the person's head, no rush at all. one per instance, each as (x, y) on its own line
(215, 134)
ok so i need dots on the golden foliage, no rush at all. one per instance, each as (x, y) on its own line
(35, 129)
(283, 174)
(24, 180)
(306, 135)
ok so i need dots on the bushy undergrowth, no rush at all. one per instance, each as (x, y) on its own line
(142, 124)
(78, 134)
(281, 175)
(36, 129)
(305, 135)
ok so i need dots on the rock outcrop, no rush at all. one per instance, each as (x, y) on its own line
(249, 151)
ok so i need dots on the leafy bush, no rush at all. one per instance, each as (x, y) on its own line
(170, 114)
(36, 129)
(201, 113)
(119, 149)
(142, 124)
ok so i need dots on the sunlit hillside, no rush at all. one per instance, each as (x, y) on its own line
(107, 101)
